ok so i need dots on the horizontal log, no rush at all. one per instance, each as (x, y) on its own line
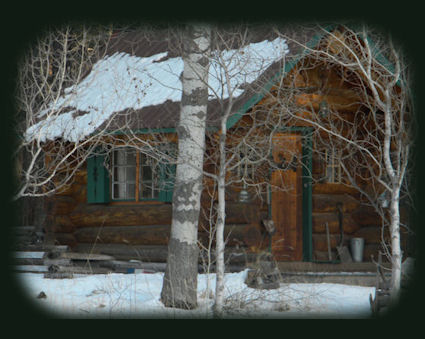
(63, 205)
(126, 252)
(335, 102)
(371, 234)
(372, 250)
(80, 177)
(242, 213)
(131, 235)
(62, 224)
(366, 216)
(159, 253)
(320, 219)
(65, 239)
(244, 235)
(324, 256)
(320, 242)
(80, 194)
(328, 188)
(328, 202)
(95, 215)
(70, 190)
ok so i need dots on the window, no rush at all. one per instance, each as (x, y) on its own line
(333, 165)
(135, 176)
(132, 176)
(247, 163)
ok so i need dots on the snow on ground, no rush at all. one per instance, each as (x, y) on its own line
(137, 296)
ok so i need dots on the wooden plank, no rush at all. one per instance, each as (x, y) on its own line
(79, 269)
(126, 252)
(28, 255)
(56, 248)
(29, 247)
(57, 261)
(327, 267)
(28, 261)
(31, 268)
(286, 197)
(58, 275)
(85, 256)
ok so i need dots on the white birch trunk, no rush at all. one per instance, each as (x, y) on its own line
(180, 280)
(396, 255)
(221, 219)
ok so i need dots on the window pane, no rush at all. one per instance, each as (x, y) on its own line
(118, 191)
(131, 191)
(119, 157)
(147, 173)
(119, 174)
(147, 190)
(131, 174)
(131, 158)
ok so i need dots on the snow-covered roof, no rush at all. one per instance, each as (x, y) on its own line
(121, 83)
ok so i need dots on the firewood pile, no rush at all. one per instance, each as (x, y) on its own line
(32, 255)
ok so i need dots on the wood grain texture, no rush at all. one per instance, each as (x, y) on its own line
(287, 199)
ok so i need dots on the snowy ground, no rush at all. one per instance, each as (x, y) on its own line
(137, 296)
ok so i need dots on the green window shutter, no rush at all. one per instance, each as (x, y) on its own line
(167, 177)
(97, 180)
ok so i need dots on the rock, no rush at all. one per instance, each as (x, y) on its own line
(42, 295)
(265, 276)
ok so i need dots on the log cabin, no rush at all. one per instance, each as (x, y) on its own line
(119, 202)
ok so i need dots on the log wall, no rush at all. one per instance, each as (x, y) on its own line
(358, 219)
(143, 229)
(138, 231)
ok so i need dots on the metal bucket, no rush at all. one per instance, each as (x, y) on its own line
(357, 245)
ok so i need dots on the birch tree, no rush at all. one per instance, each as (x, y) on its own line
(238, 61)
(179, 287)
(376, 140)
(57, 60)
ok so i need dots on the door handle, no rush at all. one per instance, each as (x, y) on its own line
(292, 165)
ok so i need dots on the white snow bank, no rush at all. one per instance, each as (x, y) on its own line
(122, 81)
(137, 295)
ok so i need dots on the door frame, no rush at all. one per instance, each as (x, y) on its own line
(307, 204)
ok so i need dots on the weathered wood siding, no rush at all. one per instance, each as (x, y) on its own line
(143, 229)
(137, 231)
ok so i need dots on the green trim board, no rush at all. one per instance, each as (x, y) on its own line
(97, 180)
(256, 98)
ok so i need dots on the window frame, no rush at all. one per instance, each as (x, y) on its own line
(161, 188)
(333, 170)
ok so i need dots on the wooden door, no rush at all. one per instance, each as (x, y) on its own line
(287, 197)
